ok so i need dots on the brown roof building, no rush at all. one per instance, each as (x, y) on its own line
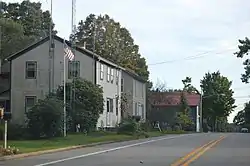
(165, 105)
(173, 98)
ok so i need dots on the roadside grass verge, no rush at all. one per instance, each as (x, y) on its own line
(26, 146)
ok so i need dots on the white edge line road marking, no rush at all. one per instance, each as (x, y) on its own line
(110, 150)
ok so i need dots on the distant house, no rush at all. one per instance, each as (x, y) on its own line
(26, 77)
(165, 105)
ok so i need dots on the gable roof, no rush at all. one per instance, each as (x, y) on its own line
(41, 41)
(80, 49)
(45, 39)
(173, 98)
(134, 75)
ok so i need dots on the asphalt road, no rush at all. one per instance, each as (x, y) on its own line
(224, 149)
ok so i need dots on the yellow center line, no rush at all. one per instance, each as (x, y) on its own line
(181, 160)
(195, 157)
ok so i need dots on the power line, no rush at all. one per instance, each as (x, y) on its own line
(197, 56)
(241, 88)
(241, 96)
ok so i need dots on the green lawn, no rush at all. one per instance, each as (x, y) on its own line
(71, 140)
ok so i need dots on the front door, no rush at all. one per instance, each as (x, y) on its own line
(109, 112)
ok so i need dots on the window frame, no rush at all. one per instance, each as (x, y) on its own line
(26, 99)
(117, 77)
(101, 71)
(27, 70)
(110, 105)
(122, 85)
(111, 75)
(108, 74)
(71, 71)
(116, 105)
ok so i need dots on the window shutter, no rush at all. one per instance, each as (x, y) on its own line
(136, 109)
(111, 105)
(143, 113)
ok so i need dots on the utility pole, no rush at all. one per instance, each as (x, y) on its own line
(201, 115)
(93, 62)
(73, 42)
(73, 18)
(51, 52)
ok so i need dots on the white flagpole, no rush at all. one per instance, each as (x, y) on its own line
(64, 96)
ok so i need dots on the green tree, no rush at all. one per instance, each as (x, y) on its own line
(247, 113)
(45, 118)
(184, 107)
(183, 117)
(124, 104)
(221, 124)
(13, 38)
(29, 14)
(22, 24)
(184, 121)
(112, 42)
(219, 101)
(243, 116)
(244, 47)
(187, 82)
(88, 103)
(239, 119)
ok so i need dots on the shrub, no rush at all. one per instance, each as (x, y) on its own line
(131, 127)
(146, 126)
(87, 105)
(45, 118)
(184, 121)
(176, 128)
(17, 132)
(127, 126)
(9, 151)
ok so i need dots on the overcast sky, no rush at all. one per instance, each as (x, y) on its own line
(173, 30)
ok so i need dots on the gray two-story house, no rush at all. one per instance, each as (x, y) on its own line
(134, 89)
(31, 77)
(30, 74)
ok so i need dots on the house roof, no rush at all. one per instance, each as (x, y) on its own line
(173, 98)
(80, 49)
(41, 41)
(134, 75)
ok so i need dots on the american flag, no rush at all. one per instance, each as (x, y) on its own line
(67, 52)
